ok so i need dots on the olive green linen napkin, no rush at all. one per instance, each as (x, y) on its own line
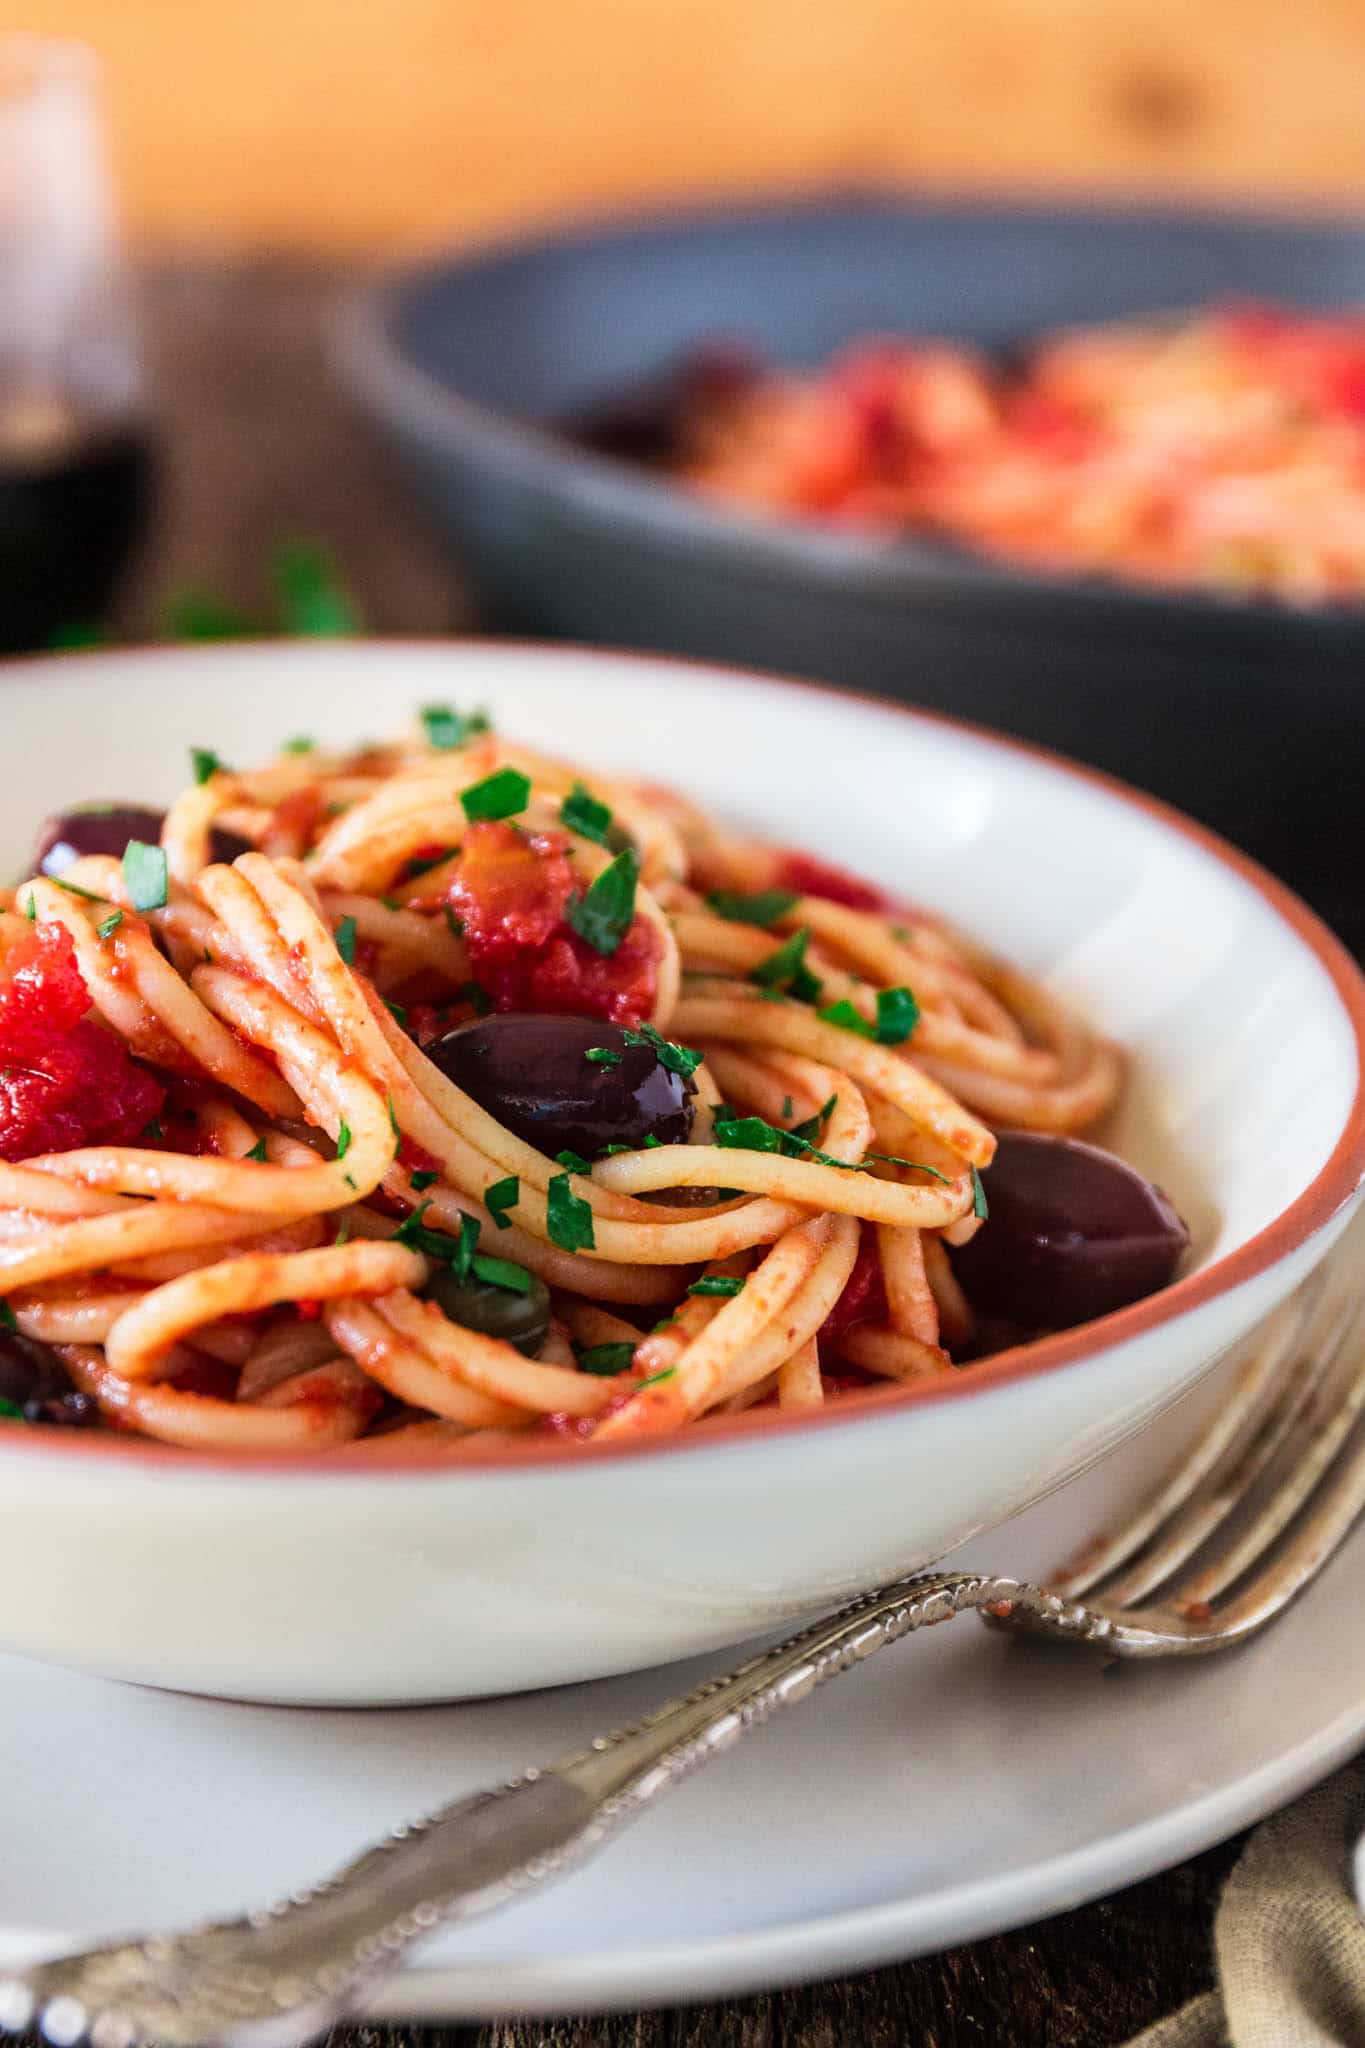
(1289, 1941)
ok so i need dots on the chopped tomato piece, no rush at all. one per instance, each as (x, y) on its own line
(511, 890)
(810, 877)
(64, 1082)
(864, 1297)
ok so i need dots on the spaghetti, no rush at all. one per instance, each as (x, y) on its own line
(274, 1174)
(1224, 449)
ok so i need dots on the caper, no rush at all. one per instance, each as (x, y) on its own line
(522, 1320)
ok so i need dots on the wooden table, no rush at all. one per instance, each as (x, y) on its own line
(259, 445)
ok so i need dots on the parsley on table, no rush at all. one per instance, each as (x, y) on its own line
(446, 728)
(500, 795)
(568, 1217)
(345, 938)
(605, 913)
(145, 875)
(717, 1283)
(585, 814)
(606, 1360)
(763, 909)
(499, 1197)
(786, 969)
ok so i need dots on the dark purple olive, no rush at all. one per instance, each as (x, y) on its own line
(33, 1381)
(1072, 1233)
(107, 828)
(535, 1076)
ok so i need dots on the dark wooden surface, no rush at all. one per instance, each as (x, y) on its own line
(259, 445)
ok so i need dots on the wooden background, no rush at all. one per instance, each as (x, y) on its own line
(355, 123)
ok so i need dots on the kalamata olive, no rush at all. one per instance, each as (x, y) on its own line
(107, 828)
(32, 1380)
(534, 1074)
(519, 1319)
(1072, 1233)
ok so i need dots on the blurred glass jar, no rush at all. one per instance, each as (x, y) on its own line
(75, 452)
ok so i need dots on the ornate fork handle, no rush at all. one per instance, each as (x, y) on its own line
(281, 1973)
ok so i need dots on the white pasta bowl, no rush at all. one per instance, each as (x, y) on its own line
(286, 1580)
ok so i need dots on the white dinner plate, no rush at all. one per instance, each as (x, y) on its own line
(959, 1784)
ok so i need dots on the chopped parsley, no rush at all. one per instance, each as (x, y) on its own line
(257, 1152)
(145, 875)
(204, 762)
(398, 1012)
(31, 908)
(764, 909)
(454, 924)
(499, 1198)
(343, 1232)
(788, 1106)
(610, 1151)
(455, 1252)
(153, 1128)
(393, 1116)
(343, 1138)
(75, 889)
(568, 1217)
(301, 745)
(390, 903)
(107, 926)
(786, 969)
(606, 1360)
(602, 1056)
(574, 1161)
(345, 937)
(655, 1377)
(10, 1411)
(897, 1016)
(606, 912)
(477, 997)
(583, 813)
(812, 1127)
(501, 1273)
(679, 1059)
(423, 1179)
(756, 1134)
(980, 1206)
(8, 1319)
(717, 1283)
(500, 795)
(447, 728)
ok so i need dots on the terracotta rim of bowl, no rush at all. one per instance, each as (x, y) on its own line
(1339, 1178)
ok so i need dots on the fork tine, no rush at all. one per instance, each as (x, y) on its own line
(1280, 1436)
(1307, 1458)
(1321, 1532)
(1266, 1357)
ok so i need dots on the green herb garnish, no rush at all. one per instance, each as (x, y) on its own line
(568, 1217)
(454, 1252)
(204, 763)
(764, 909)
(501, 1196)
(812, 1127)
(145, 875)
(501, 1273)
(345, 938)
(447, 728)
(8, 1319)
(10, 1411)
(343, 1138)
(423, 864)
(606, 912)
(980, 1206)
(314, 603)
(476, 996)
(848, 1017)
(197, 613)
(655, 1377)
(897, 1015)
(786, 969)
(582, 812)
(606, 1360)
(300, 745)
(454, 925)
(602, 1056)
(398, 1012)
(75, 889)
(31, 908)
(500, 795)
(257, 1152)
(107, 926)
(574, 1161)
(717, 1283)
(153, 1128)
(679, 1059)
(423, 1179)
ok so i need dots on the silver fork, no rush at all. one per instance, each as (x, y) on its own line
(1249, 1516)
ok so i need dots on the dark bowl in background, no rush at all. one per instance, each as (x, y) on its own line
(1247, 714)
